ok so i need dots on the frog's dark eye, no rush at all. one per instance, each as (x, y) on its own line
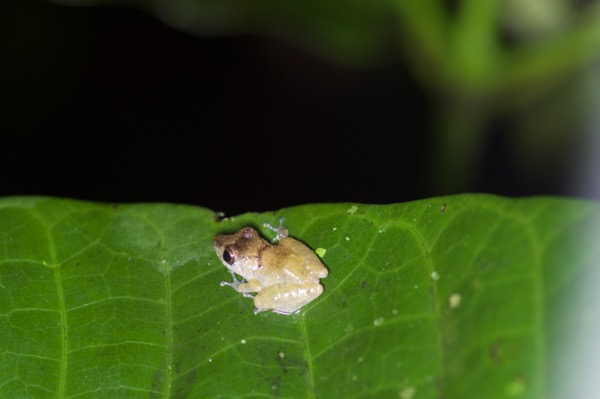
(228, 256)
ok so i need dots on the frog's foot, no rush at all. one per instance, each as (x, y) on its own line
(234, 284)
(286, 313)
(257, 311)
(247, 295)
(281, 231)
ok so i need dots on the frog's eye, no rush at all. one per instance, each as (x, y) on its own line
(228, 256)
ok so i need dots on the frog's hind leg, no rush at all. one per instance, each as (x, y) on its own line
(281, 231)
(286, 298)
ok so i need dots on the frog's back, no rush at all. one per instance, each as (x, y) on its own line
(283, 265)
(308, 257)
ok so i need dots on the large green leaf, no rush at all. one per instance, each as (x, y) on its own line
(457, 297)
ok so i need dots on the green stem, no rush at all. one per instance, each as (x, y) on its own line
(458, 144)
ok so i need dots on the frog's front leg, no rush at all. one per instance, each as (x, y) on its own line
(286, 298)
(235, 283)
(244, 288)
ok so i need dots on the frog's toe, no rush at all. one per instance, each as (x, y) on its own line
(233, 284)
(286, 313)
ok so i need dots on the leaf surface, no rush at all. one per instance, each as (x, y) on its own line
(458, 297)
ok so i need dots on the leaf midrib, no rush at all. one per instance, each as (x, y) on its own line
(169, 333)
(168, 383)
(62, 379)
(434, 297)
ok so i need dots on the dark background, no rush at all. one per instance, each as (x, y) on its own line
(109, 104)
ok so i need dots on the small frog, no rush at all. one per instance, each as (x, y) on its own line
(285, 276)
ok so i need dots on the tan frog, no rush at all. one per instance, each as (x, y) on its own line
(285, 276)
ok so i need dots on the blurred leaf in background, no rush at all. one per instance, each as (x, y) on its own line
(520, 61)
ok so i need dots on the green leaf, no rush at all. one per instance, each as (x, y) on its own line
(458, 297)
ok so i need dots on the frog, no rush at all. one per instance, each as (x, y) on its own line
(284, 276)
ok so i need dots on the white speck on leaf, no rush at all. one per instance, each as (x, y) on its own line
(454, 301)
(435, 276)
(243, 341)
(354, 378)
(352, 209)
(281, 355)
(408, 392)
(334, 229)
(347, 238)
(383, 227)
(394, 311)
(360, 359)
(378, 322)
(321, 252)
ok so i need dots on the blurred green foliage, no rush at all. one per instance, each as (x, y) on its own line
(478, 60)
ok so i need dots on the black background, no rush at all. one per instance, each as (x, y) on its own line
(109, 104)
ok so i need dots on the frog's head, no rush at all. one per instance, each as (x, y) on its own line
(235, 248)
